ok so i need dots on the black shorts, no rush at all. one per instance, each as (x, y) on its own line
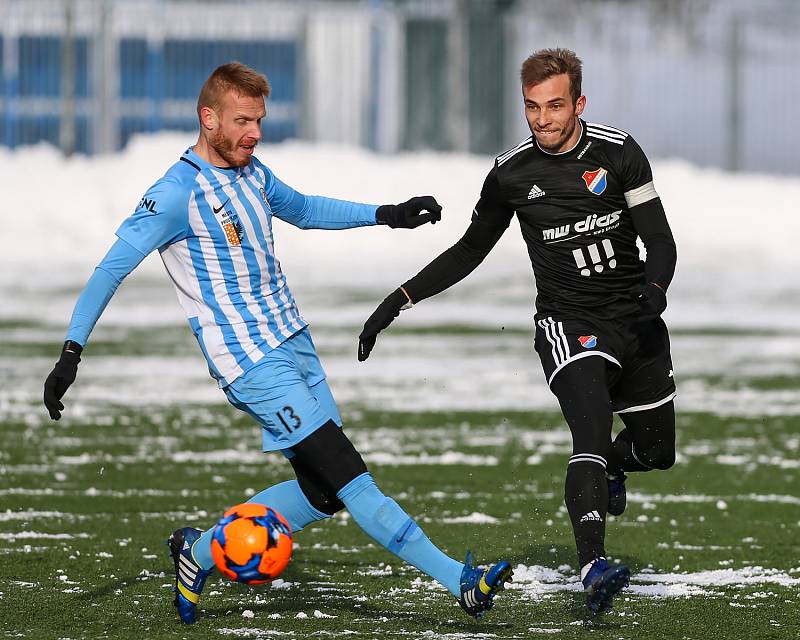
(641, 376)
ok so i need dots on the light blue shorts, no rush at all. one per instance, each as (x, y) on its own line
(286, 392)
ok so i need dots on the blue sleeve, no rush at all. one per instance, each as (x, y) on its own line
(316, 212)
(120, 260)
(161, 218)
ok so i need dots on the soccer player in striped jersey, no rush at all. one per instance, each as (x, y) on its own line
(210, 217)
(582, 193)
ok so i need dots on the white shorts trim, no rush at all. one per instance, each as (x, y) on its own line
(652, 405)
(586, 354)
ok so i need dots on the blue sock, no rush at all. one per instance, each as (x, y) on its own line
(385, 522)
(286, 498)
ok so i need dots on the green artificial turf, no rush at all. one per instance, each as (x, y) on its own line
(92, 503)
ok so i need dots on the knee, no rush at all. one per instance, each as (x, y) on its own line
(321, 499)
(660, 457)
(328, 504)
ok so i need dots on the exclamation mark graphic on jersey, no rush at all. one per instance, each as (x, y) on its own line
(612, 261)
(594, 254)
(580, 260)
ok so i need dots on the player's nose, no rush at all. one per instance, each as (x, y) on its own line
(255, 131)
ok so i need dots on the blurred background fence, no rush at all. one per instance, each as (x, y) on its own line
(711, 81)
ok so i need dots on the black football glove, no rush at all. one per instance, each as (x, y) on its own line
(408, 214)
(61, 377)
(652, 301)
(381, 318)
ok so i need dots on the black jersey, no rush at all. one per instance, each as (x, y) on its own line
(573, 210)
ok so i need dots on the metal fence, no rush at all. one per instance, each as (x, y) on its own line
(712, 82)
(86, 75)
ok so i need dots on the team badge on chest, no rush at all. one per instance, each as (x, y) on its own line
(596, 180)
(231, 226)
(233, 232)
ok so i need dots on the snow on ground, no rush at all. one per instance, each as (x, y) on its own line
(536, 580)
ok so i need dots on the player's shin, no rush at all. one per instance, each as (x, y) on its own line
(388, 524)
(586, 498)
(286, 498)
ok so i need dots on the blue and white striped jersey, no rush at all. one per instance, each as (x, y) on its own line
(213, 230)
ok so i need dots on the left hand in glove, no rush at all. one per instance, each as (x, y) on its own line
(652, 301)
(409, 214)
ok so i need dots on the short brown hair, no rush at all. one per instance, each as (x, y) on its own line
(546, 63)
(232, 76)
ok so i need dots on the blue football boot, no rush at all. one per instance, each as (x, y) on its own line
(602, 583)
(480, 584)
(190, 577)
(617, 497)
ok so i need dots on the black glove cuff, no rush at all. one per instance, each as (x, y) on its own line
(396, 300)
(70, 346)
(386, 214)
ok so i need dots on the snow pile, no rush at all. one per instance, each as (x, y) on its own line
(736, 233)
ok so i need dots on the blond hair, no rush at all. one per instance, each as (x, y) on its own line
(232, 76)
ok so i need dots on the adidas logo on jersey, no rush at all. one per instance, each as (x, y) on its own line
(592, 516)
(535, 192)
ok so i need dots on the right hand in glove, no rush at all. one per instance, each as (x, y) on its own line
(61, 377)
(381, 318)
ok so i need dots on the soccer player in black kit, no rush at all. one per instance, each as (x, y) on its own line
(582, 193)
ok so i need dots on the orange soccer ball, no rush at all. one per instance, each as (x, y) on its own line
(251, 543)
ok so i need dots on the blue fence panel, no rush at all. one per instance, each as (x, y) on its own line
(188, 63)
(130, 125)
(7, 125)
(133, 68)
(33, 129)
(39, 66)
(40, 83)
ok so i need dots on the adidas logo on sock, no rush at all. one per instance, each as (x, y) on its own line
(592, 516)
(535, 192)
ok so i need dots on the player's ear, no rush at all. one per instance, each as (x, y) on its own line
(209, 118)
(580, 105)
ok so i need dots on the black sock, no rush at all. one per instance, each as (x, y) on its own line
(586, 497)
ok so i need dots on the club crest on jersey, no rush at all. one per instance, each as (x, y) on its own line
(233, 232)
(588, 342)
(596, 181)
(231, 226)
